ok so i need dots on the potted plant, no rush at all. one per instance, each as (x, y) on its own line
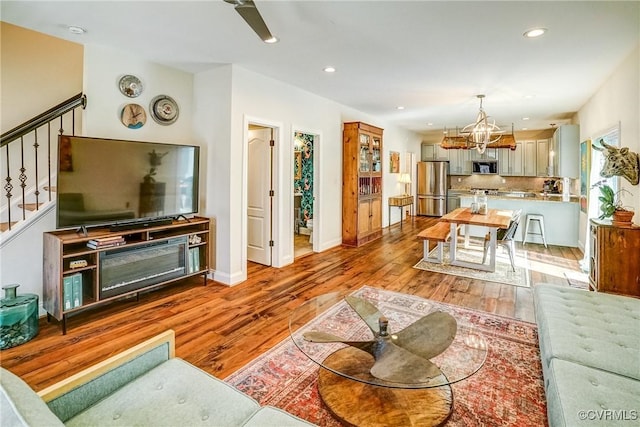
(611, 205)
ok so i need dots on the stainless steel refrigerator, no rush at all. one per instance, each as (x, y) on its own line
(433, 181)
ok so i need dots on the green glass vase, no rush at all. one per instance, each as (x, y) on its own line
(18, 317)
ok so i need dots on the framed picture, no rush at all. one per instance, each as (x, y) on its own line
(394, 162)
(297, 165)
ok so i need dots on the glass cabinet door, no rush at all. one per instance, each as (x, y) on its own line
(365, 159)
(376, 155)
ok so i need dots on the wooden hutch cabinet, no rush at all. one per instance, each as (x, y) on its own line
(361, 183)
(614, 258)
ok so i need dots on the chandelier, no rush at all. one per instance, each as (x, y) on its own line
(481, 132)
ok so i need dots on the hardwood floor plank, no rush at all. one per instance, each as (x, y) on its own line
(221, 328)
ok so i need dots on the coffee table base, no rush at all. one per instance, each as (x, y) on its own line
(359, 404)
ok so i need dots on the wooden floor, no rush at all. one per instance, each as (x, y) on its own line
(220, 328)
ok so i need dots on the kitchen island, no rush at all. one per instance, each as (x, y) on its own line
(561, 218)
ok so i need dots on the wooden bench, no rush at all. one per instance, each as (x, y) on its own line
(439, 233)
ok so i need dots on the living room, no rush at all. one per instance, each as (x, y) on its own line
(219, 129)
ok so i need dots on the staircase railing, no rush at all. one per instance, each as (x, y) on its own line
(26, 164)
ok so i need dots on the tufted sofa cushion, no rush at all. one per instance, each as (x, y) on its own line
(193, 396)
(589, 328)
(581, 396)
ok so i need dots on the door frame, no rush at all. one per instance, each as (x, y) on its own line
(317, 218)
(276, 173)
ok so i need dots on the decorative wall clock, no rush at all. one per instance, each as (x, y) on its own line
(164, 110)
(130, 86)
(133, 116)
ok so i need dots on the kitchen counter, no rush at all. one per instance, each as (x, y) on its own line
(561, 218)
(528, 195)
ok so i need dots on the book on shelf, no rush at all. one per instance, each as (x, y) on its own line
(77, 290)
(72, 291)
(67, 292)
(194, 260)
(106, 242)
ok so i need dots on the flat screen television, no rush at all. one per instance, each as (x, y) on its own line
(124, 184)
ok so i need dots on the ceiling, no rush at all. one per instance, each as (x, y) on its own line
(430, 57)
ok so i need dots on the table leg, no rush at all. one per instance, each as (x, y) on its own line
(493, 232)
(466, 236)
(475, 265)
(453, 242)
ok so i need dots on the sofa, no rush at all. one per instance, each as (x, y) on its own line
(590, 351)
(142, 386)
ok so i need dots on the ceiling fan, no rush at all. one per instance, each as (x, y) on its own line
(249, 12)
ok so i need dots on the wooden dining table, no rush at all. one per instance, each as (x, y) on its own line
(494, 219)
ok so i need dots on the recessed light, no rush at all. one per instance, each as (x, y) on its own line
(272, 40)
(534, 32)
(525, 118)
(399, 107)
(429, 124)
(329, 69)
(525, 128)
(73, 29)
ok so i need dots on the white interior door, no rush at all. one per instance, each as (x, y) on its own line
(258, 196)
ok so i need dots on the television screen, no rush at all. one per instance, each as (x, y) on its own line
(109, 181)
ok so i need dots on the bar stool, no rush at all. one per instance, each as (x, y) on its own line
(540, 219)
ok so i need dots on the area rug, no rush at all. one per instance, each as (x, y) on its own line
(503, 274)
(507, 391)
(577, 279)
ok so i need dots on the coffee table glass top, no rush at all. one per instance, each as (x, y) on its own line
(331, 314)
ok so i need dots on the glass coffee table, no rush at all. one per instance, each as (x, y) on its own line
(345, 382)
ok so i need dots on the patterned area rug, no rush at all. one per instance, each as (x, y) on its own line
(507, 391)
(503, 273)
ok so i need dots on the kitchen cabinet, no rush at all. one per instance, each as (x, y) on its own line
(489, 154)
(433, 152)
(459, 162)
(564, 152)
(530, 157)
(542, 157)
(511, 162)
(612, 266)
(427, 152)
(361, 183)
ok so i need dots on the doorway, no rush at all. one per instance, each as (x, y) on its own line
(260, 194)
(612, 137)
(304, 220)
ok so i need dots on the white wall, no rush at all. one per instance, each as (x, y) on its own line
(256, 98)
(617, 101)
(103, 68)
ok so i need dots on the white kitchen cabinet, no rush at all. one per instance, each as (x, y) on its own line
(542, 157)
(511, 162)
(530, 157)
(441, 153)
(433, 152)
(489, 154)
(427, 152)
(564, 152)
(459, 162)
